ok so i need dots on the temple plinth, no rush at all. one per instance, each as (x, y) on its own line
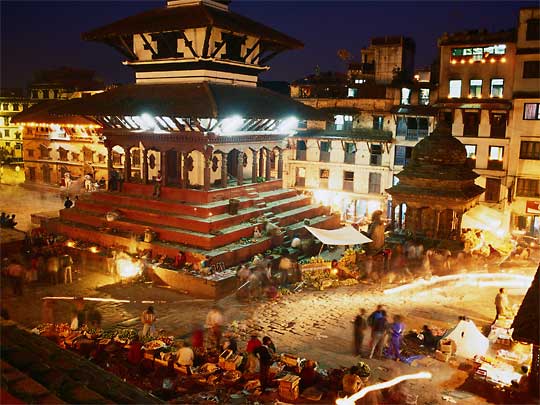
(436, 187)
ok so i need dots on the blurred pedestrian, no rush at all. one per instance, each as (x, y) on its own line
(214, 324)
(502, 305)
(53, 266)
(396, 330)
(16, 273)
(378, 334)
(360, 328)
(264, 354)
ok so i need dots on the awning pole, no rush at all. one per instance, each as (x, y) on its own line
(320, 250)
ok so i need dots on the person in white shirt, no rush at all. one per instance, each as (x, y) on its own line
(185, 355)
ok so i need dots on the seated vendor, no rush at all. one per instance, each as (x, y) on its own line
(430, 341)
(185, 355)
(308, 375)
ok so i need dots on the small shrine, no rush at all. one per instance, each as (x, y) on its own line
(436, 187)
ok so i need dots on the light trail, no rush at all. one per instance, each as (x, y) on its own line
(515, 280)
(381, 386)
(94, 299)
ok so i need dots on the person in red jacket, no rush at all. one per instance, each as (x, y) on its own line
(253, 343)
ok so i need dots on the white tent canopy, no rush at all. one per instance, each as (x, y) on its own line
(342, 236)
(483, 218)
(468, 339)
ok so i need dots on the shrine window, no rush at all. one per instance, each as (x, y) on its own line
(75, 156)
(16, 107)
(531, 69)
(423, 97)
(62, 154)
(30, 152)
(233, 46)
(378, 122)
(301, 150)
(493, 190)
(497, 87)
(471, 122)
(475, 88)
(531, 111)
(471, 155)
(44, 152)
(374, 183)
(529, 150)
(402, 155)
(495, 158)
(88, 154)
(528, 188)
(101, 158)
(136, 158)
(454, 89)
(533, 30)
(376, 155)
(167, 45)
(117, 158)
(498, 125)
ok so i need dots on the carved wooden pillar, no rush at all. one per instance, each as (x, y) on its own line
(280, 165)
(180, 174)
(458, 227)
(240, 168)
(109, 166)
(254, 166)
(393, 215)
(268, 164)
(437, 223)
(127, 163)
(163, 165)
(224, 174)
(208, 152)
(185, 170)
(400, 218)
(145, 166)
(261, 162)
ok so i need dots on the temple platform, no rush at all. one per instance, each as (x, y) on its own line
(198, 223)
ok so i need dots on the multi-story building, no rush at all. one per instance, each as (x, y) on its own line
(475, 96)
(524, 173)
(12, 102)
(349, 161)
(64, 83)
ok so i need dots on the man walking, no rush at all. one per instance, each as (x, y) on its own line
(378, 334)
(501, 304)
(360, 326)
(148, 318)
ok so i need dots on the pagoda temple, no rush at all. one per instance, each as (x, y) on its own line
(436, 187)
(196, 114)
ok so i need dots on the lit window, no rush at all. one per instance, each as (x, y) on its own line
(496, 153)
(359, 81)
(405, 96)
(531, 111)
(343, 122)
(455, 89)
(351, 92)
(497, 87)
(424, 97)
(475, 88)
(471, 151)
(529, 150)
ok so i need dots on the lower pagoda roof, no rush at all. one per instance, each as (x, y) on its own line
(357, 134)
(465, 194)
(202, 100)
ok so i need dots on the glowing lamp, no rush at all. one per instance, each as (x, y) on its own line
(483, 61)
(147, 121)
(288, 124)
(503, 60)
(492, 60)
(70, 243)
(453, 62)
(232, 124)
(128, 268)
(462, 61)
(471, 61)
(94, 249)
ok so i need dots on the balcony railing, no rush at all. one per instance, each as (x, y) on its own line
(495, 164)
(300, 182)
(300, 154)
(324, 156)
(350, 158)
(348, 185)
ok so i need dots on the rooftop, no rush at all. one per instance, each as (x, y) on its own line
(477, 37)
(357, 134)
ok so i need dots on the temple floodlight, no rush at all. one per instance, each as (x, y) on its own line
(288, 125)
(231, 124)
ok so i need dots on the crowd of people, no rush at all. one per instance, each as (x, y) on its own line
(7, 220)
(383, 333)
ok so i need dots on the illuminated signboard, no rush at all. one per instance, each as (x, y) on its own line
(533, 207)
(480, 52)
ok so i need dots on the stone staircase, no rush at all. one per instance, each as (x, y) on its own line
(194, 220)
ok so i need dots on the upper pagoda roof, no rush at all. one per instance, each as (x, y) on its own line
(191, 16)
(200, 100)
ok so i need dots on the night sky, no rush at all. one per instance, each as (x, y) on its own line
(40, 35)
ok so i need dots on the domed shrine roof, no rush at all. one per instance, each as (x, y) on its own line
(440, 148)
(437, 172)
